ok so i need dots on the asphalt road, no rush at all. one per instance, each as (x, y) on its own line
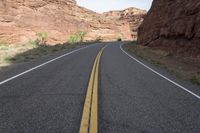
(131, 98)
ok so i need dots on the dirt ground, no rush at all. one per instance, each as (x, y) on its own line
(182, 67)
(11, 55)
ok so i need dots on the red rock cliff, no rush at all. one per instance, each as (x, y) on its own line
(174, 26)
(133, 16)
(20, 20)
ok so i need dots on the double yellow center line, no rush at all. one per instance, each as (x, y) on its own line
(89, 122)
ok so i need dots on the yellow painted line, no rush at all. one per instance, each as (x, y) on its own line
(89, 122)
(94, 109)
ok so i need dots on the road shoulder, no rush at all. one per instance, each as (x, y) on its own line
(23, 66)
(182, 68)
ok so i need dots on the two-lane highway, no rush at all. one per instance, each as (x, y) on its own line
(51, 97)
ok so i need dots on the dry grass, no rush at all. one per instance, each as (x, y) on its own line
(8, 52)
(14, 54)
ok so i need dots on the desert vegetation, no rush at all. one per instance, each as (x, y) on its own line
(77, 37)
(15, 54)
(34, 48)
(195, 79)
(42, 37)
(8, 52)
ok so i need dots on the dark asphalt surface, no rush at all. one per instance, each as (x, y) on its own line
(49, 99)
(132, 99)
(135, 100)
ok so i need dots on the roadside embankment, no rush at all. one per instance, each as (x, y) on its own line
(182, 67)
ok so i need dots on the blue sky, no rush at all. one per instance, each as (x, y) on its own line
(107, 5)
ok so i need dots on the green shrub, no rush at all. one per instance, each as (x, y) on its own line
(195, 79)
(77, 37)
(34, 42)
(42, 37)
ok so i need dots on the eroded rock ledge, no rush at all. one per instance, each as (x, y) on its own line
(174, 26)
(20, 20)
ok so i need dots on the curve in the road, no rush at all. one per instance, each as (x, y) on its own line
(180, 86)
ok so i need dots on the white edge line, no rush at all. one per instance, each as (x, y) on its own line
(36, 67)
(180, 86)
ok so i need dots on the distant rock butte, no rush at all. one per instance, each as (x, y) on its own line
(133, 16)
(20, 20)
(174, 26)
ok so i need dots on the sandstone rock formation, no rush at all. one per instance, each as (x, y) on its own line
(133, 16)
(20, 20)
(174, 26)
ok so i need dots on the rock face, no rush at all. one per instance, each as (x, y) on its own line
(20, 20)
(174, 26)
(133, 16)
